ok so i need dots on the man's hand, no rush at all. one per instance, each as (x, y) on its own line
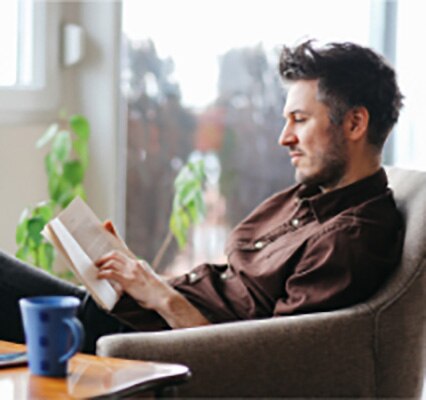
(139, 281)
(135, 277)
(109, 226)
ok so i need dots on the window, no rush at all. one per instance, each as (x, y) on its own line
(18, 42)
(200, 79)
(29, 73)
(410, 139)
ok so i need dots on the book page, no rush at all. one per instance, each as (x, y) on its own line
(89, 232)
(81, 237)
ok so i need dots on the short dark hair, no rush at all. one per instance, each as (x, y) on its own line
(349, 75)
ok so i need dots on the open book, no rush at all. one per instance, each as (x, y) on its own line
(82, 239)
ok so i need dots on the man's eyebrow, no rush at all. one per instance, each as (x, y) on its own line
(296, 111)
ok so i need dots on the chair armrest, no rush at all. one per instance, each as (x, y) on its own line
(286, 356)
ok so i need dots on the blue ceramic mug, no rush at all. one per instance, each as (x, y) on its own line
(53, 333)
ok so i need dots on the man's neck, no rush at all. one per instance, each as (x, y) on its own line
(355, 173)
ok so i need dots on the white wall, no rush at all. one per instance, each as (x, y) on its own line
(22, 178)
(90, 88)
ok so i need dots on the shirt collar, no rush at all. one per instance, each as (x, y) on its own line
(329, 204)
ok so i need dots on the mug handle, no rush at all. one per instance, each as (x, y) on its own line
(77, 332)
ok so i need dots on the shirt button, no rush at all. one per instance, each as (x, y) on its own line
(259, 245)
(224, 276)
(295, 222)
(192, 277)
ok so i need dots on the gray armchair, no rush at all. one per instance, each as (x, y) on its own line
(374, 349)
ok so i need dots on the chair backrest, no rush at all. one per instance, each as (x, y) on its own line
(399, 308)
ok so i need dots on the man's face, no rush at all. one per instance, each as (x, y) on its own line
(318, 149)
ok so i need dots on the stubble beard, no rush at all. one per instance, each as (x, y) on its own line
(332, 162)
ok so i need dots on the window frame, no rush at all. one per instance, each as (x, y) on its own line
(24, 102)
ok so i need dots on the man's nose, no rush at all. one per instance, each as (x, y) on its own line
(288, 137)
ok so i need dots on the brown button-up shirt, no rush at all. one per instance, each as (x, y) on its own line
(300, 251)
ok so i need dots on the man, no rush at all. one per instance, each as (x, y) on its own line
(326, 243)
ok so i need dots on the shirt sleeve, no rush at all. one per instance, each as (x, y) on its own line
(336, 269)
(216, 292)
(130, 313)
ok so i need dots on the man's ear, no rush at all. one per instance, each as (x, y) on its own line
(356, 123)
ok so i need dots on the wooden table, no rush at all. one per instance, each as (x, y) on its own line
(90, 377)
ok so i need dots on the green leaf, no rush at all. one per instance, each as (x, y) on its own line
(192, 211)
(80, 126)
(190, 172)
(22, 253)
(65, 193)
(176, 206)
(183, 176)
(33, 255)
(200, 206)
(81, 148)
(79, 191)
(24, 214)
(198, 170)
(50, 165)
(54, 186)
(21, 233)
(176, 228)
(21, 230)
(44, 210)
(46, 256)
(35, 226)
(67, 199)
(188, 202)
(73, 172)
(47, 136)
(61, 146)
(187, 192)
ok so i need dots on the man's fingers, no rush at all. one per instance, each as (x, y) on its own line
(111, 272)
(110, 265)
(112, 255)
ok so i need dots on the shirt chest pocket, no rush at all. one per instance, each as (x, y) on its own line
(280, 249)
(261, 252)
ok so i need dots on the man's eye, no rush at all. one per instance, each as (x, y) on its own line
(299, 119)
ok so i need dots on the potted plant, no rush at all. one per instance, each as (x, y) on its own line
(66, 163)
